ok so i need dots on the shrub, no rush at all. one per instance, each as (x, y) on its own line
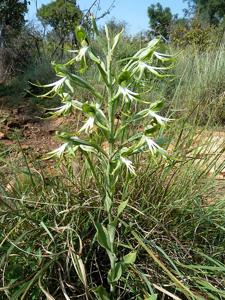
(196, 35)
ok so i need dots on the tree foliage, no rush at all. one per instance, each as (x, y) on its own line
(160, 19)
(210, 11)
(61, 15)
(12, 18)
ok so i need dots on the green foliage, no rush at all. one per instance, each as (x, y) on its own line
(196, 35)
(201, 81)
(209, 11)
(161, 19)
(21, 86)
(115, 26)
(62, 16)
(12, 19)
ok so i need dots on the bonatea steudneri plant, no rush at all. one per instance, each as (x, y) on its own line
(118, 97)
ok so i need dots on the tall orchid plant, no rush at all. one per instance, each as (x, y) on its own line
(123, 144)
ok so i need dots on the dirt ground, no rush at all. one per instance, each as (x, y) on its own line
(26, 124)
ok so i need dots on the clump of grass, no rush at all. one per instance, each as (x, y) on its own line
(200, 81)
(178, 236)
(21, 84)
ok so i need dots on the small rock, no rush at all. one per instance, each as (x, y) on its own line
(2, 135)
(25, 147)
(15, 111)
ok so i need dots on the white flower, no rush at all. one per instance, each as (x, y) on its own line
(153, 146)
(57, 152)
(56, 86)
(88, 126)
(67, 107)
(82, 53)
(128, 164)
(161, 120)
(127, 94)
(141, 66)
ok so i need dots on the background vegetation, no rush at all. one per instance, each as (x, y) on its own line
(171, 228)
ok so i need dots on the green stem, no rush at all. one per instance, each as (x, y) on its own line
(110, 179)
(93, 171)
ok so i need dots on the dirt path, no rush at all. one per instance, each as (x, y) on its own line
(27, 125)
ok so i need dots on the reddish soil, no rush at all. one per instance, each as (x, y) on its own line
(27, 125)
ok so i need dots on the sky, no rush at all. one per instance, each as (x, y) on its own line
(133, 12)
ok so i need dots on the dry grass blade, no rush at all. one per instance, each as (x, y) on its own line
(164, 291)
(46, 293)
(176, 281)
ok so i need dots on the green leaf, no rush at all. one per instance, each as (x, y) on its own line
(116, 39)
(121, 207)
(151, 297)
(47, 230)
(100, 65)
(130, 258)
(111, 232)
(79, 268)
(45, 292)
(101, 293)
(84, 84)
(115, 273)
(107, 203)
(103, 236)
(179, 284)
(152, 129)
(88, 109)
(94, 25)
(156, 106)
(124, 77)
(80, 34)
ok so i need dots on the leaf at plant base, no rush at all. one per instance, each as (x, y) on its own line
(130, 258)
(80, 268)
(103, 236)
(115, 274)
(101, 293)
(121, 207)
(111, 228)
(107, 203)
